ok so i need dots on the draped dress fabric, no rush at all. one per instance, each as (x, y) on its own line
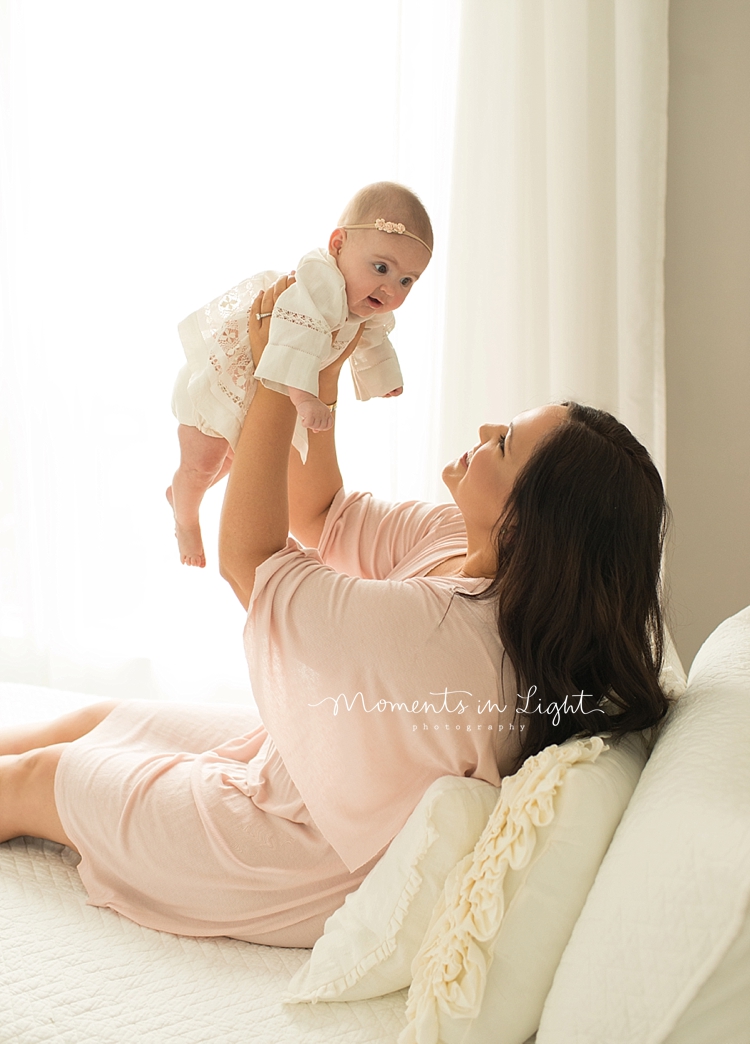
(372, 680)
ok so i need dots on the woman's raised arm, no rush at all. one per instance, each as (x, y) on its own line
(313, 485)
(269, 489)
(255, 513)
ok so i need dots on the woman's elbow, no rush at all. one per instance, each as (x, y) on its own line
(309, 532)
(241, 581)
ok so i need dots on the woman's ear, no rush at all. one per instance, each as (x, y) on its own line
(337, 240)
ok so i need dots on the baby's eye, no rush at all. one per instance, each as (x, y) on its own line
(406, 281)
(381, 268)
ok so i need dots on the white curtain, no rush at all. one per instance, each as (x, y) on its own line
(557, 219)
(155, 153)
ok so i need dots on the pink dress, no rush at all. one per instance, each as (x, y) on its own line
(372, 681)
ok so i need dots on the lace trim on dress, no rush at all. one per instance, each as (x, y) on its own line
(221, 385)
(299, 319)
(339, 346)
(231, 359)
(238, 371)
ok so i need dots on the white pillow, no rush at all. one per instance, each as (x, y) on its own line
(368, 944)
(720, 1011)
(496, 936)
(672, 894)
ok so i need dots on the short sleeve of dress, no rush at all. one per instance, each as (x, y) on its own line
(367, 537)
(371, 690)
(303, 319)
(374, 364)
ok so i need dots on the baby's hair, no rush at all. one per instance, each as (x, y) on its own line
(392, 202)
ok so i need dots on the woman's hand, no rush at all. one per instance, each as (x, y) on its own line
(258, 329)
(328, 378)
(263, 305)
(313, 485)
(255, 516)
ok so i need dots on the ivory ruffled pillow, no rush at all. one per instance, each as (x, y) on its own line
(508, 909)
(368, 944)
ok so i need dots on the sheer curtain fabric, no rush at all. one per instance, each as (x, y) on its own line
(557, 215)
(152, 156)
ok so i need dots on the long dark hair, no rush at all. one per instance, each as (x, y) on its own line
(579, 552)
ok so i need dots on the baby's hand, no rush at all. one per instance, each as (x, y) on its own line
(391, 394)
(312, 412)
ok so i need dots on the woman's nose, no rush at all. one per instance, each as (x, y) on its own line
(490, 431)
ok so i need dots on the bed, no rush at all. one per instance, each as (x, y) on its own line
(71, 972)
(671, 966)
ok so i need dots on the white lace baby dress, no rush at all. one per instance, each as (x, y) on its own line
(212, 391)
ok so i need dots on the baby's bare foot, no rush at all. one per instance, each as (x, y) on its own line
(189, 541)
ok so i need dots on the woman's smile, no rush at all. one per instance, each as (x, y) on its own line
(466, 458)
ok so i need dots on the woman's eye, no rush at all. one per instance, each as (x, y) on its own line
(501, 441)
(381, 268)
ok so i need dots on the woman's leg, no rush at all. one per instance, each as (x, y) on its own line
(202, 460)
(27, 795)
(21, 738)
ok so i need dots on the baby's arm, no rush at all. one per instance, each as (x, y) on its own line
(312, 411)
(375, 368)
(304, 317)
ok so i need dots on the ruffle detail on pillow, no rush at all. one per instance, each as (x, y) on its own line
(450, 970)
(330, 991)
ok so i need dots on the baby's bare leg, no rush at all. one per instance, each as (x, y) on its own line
(18, 739)
(225, 467)
(202, 460)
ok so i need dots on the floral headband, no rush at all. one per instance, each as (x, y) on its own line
(391, 226)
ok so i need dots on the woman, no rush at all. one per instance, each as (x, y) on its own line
(416, 641)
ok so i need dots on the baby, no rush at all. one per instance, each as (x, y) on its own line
(381, 246)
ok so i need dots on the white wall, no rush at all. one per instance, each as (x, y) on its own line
(708, 314)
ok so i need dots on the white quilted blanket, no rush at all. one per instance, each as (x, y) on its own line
(72, 973)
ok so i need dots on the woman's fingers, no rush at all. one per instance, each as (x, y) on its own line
(258, 307)
(275, 291)
(259, 317)
(257, 327)
(268, 300)
(264, 303)
(350, 347)
(282, 283)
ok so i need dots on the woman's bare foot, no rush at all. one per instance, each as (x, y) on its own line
(189, 540)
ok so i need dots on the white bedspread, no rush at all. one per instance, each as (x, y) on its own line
(72, 973)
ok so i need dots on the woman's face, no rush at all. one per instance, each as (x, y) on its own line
(481, 480)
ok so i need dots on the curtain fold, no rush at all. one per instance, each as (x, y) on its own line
(149, 160)
(557, 215)
(151, 156)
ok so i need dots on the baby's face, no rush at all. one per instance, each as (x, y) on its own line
(379, 268)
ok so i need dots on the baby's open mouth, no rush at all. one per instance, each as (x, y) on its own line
(374, 302)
